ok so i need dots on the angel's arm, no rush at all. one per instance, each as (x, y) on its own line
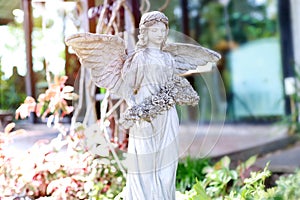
(132, 76)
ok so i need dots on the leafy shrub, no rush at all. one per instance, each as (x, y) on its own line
(53, 103)
(12, 91)
(219, 178)
(66, 167)
(190, 169)
(62, 169)
(288, 187)
(221, 182)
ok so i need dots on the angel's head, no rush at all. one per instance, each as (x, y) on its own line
(153, 30)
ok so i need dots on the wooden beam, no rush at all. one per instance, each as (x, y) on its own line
(5, 21)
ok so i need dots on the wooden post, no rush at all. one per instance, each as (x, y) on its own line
(28, 25)
(134, 6)
(185, 17)
(286, 40)
(92, 22)
(132, 36)
(29, 79)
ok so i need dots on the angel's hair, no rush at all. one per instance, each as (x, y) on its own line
(147, 20)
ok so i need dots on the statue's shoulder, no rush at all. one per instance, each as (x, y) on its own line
(134, 57)
(137, 55)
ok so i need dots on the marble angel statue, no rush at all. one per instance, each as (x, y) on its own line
(150, 82)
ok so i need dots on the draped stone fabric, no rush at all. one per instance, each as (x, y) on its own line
(153, 145)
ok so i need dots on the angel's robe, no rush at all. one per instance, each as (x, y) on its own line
(153, 146)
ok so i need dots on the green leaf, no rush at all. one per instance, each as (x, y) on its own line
(201, 194)
(250, 161)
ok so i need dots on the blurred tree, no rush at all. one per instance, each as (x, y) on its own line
(12, 91)
(246, 19)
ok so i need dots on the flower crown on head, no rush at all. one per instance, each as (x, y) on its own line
(154, 16)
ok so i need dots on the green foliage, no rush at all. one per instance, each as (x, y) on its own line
(10, 97)
(65, 169)
(247, 22)
(254, 186)
(188, 171)
(200, 192)
(221, 182)
(219, 178)
(12, 91)
(288, 187)
(196, 193)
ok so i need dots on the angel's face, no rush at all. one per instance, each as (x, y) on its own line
(156, 35)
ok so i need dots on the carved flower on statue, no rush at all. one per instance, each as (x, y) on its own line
(140, 112)
(155, 99)
(171, 101)
(178, 90)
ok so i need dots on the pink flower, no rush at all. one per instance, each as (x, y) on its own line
(26, 108)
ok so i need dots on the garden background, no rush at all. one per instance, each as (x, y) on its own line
(248, 110)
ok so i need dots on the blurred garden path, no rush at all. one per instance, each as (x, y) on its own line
(270, 142)
(239, 141)
(28, 135)
(285, 160)
(216, 141)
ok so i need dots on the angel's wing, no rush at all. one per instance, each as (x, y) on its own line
(189, 57)
(103, 54)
